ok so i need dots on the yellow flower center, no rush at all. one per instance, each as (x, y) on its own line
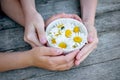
(62, 45)
(60, 26)
(68, 33)
(76, 29)
(77, 39)
(53, 41)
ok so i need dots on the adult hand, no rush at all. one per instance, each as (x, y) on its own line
(62, 15)
(92, 36)
(51, 58)
(34, 29)
(90, 46)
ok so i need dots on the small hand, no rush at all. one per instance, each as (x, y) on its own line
(34, 30)
(51, 58)
(90, 46)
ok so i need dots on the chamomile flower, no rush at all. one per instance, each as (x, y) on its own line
(78, 39)
(68, 30)
(76, 29)
(62, 42)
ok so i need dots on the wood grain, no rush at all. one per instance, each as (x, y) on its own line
(101, 64)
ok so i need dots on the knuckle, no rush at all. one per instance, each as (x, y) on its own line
(29, 37)
(51, 63)
(66, 60)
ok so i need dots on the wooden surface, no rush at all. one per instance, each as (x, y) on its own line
(102, 64)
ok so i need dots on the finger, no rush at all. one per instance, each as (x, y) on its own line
(65, 66)
(91, 34)
(72, 55)
(31, 44)
(63, 59)
(77, 62)
(63, 15)
(85, 51)
(74, 16)
(35, 41)
(49, 51)
(31, 37)
(40, 31)
(54, 17)
(90, 38)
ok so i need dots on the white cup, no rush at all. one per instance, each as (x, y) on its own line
(69, 33)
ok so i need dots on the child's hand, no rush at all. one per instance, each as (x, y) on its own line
(34, 29)
(51, 58)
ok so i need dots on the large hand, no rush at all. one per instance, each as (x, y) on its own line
(34, 29)
(88, 48)
(51, 58)
(92, 36)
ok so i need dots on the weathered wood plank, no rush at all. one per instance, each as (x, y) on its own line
(108, 49)
(12, 38)
(108, 22)
(107, 6)
(104, 71)
(50, 7)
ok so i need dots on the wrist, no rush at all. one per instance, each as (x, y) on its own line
(28, 6)
(30, 12)
(28, 58)
(89, 22)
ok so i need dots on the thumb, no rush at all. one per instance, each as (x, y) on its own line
(42, 38)
(90, 37)
(91, 32)
(49, 51)
(41, 35)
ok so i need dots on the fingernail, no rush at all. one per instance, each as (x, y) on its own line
(90, 39)
(77, 63)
